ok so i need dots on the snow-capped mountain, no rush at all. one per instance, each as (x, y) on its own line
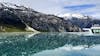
(71, 16)
(10, 5)
(82, 21)
(19, 17)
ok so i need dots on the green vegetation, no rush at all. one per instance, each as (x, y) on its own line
(9, 28)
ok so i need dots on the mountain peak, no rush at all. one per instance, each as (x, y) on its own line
(8, 5)
(5, 5)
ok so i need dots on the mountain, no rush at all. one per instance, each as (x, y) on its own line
(20, 18)
(80, 20)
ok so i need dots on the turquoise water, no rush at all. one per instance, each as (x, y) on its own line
(49, 44)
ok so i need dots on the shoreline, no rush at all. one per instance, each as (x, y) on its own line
(16, 33)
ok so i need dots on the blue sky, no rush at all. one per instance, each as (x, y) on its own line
(87, 7)
(79, 7)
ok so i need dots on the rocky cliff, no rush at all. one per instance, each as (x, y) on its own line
(18, 18)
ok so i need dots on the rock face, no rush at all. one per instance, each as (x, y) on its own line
(20, 17)
(82, 21)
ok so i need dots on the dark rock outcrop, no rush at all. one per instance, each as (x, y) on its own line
(20, 17)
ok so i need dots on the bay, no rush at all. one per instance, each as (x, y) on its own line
(49, 44)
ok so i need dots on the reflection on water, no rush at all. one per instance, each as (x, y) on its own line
(49, 44)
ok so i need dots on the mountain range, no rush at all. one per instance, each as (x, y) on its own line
(15, 18)
(82, 21)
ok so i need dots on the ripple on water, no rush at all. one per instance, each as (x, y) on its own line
(49, 44)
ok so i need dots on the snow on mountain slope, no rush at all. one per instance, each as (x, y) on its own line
(5, 6)
(70, 16)
(20, 16)
(8, 5)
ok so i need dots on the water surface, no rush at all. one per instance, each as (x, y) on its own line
(48, 44)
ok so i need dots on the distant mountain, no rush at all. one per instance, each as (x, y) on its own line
(20, 18)
(80, 20)
(71, 16)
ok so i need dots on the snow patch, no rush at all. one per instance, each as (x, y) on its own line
(10, 5)
(70, 16)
